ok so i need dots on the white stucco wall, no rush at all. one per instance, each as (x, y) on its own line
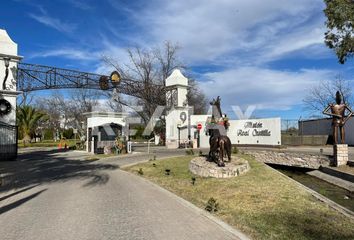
(195, 120)
(8, 48)
(172, 121)
(95, 119)
(272, 126)
(11, 98)
(176, 78)
(98, 121)
(265, 131)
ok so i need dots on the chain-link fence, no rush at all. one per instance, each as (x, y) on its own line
(305, 132)
(290, 126)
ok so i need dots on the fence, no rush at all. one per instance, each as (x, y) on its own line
(290, 126)
(295, 132)
(8, 142)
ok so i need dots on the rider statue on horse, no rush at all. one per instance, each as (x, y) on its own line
(216, 127)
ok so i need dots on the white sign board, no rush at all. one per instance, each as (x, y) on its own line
(255, 131)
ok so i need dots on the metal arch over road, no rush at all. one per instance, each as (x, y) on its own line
(32, 77)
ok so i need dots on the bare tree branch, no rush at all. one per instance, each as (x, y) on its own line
(320, 96)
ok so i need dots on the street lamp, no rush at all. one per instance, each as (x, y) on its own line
(7, 64)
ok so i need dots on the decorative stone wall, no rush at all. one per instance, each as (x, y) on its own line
(313, 161)
(340, 153)
(201, 167)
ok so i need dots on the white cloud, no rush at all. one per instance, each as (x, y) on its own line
(240, 36)
(215, 31)
(265, 88)
(68, 53)
(52, 22)
(81, 4)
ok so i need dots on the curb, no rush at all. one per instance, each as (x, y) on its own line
(234, 232)
(338, 174)
(322, 198)
(339, 182)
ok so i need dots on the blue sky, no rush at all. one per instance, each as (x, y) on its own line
(266, 53)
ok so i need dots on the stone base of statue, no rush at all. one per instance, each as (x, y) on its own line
(340, 155)
(201, 167)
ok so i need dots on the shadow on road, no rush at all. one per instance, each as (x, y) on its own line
(17, 192)
(41, 167)
(19, 202)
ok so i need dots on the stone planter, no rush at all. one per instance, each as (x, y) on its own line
(201, 167)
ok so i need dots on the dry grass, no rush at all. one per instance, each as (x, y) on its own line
(262, 203)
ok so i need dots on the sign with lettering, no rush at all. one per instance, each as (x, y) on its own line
(255, 131)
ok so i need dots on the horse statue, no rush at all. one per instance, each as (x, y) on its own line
(220, 144)
(220, 147)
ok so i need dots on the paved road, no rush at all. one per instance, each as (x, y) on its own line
(51, 195)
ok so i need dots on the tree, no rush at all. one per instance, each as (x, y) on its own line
(53, 107)
(81, 101)
(340, 22)
(151, 67)
(196, 98)
(320, 96)
(28, 119)
(68, 112)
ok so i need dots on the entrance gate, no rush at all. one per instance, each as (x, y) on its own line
(17, 77)
(8, 141)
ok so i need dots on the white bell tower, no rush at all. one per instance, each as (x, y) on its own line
(177, 117)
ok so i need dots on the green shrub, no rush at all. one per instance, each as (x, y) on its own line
(212, 205)
(48, 134)
(68, 133)
(190, 152)
(72, 147)
(193, 180)
(235, 150)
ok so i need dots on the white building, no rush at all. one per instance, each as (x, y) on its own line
(181, 124)
(103, 128)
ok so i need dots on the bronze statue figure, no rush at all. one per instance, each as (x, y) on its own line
(216, 109)
(224, 148)
(220, 144)
(220, 147)
(338, 113)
